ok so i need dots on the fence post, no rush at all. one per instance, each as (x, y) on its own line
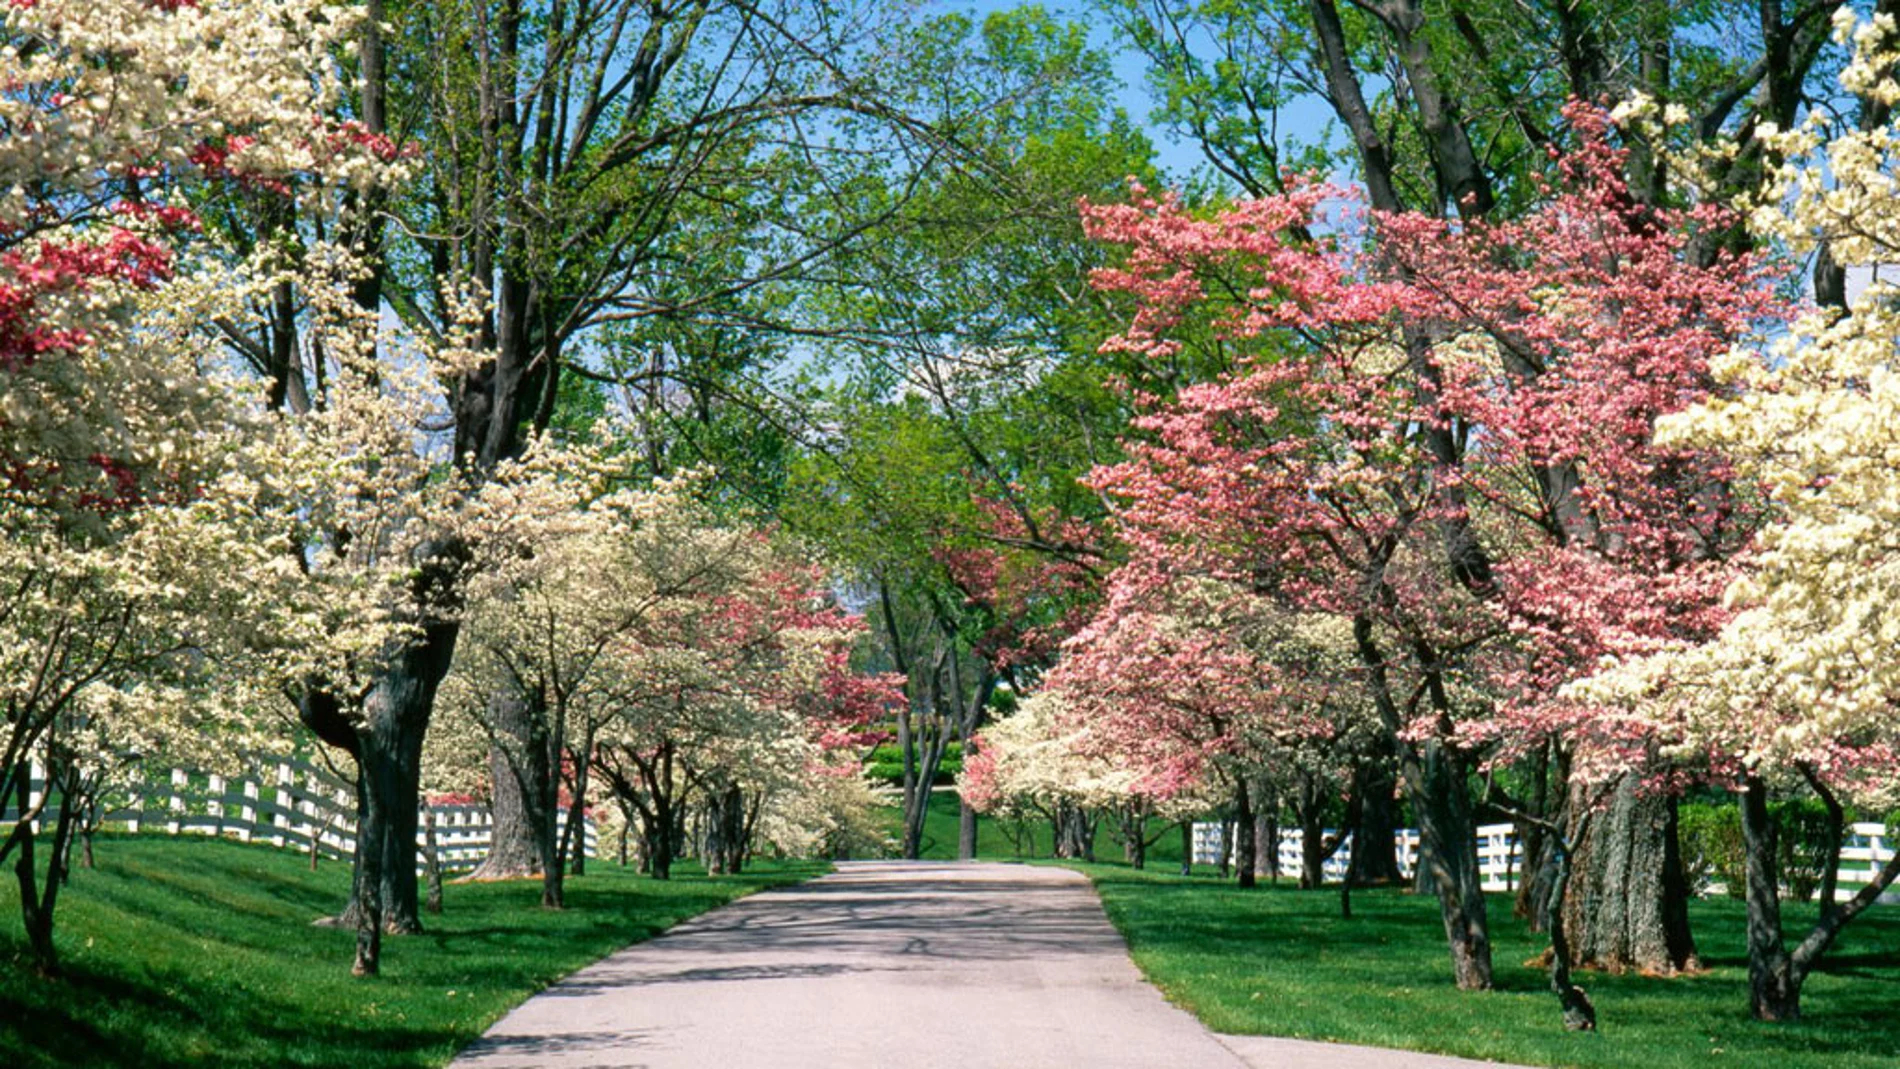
(214, 802)
(279, 818)
(174, 801)
(249, 811)
(307, 807)
(35, 789)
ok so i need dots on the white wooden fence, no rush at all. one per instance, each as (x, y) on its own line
(1864, 850)
(291, 804)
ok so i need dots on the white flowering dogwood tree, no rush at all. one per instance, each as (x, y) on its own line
(132, 548)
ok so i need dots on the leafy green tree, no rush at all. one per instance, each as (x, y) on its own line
(966, 394)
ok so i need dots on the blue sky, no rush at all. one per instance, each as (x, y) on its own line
(1176, 157)
(1306, 119)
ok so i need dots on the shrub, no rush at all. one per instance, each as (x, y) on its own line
(886, 764)
(1712, 849)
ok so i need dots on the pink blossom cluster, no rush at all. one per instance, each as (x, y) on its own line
(1439, 431)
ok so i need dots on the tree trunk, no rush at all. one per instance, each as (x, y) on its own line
(1134, 817)
(748, 830)
(649, 845)
(402, 812)
(662, 825)
(511, 852)
(1074, 832)
(1423, 880)
(1187, 848)
(921, 731)
(37, 901)
(1436, 783)
(660, 843)
(1627, 905)
(432, 858)
(923, 753)
(367, 906)
(726, 831)
(547, 742)
(1375, 855)
(395, 717)
(1059, 841)
(1310, 808)
(573, 848)
(1450, 848)
(966, 830)
(1774, 992)
(1268, 841)
(1578, 1013)
(523, 790)
(627, 819)
(1244, 834)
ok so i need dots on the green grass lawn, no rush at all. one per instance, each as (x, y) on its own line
(992, 838)
(1031, 839)
(1277, 961)
(199, 952)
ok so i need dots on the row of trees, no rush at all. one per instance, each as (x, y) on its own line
(684, 661)
(286, 416)
(1553, 512)
(1344, 519)
(306, 383)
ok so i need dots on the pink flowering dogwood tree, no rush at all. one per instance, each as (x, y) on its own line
(1440, 435)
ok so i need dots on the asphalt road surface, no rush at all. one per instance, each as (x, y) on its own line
(888, 965)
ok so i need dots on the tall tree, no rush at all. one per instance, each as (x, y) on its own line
(1520, 365)
(1455, 109)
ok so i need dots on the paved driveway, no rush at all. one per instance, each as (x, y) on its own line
(904, 965)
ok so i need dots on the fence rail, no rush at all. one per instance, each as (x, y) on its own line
(1864, 849)
(290, 804)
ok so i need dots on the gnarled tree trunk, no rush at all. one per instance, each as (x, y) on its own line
(1627, 903)
(511, 852)
(386, 739)
(1074, 832)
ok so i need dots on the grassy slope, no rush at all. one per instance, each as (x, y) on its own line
(1281, 962)
(192, 952)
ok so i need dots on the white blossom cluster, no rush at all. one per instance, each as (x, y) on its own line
(142, 533)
